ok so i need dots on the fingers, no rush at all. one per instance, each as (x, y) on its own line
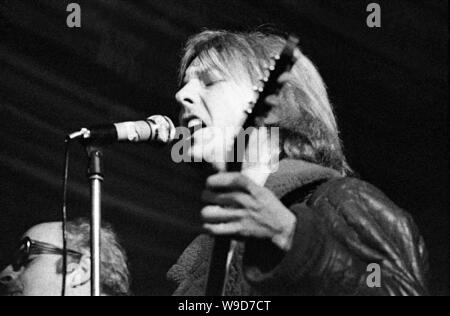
(236, 229)
(224, 229)
(231, 181)
(237, 206)
(216, 214)
(224, 222)
(231, 199)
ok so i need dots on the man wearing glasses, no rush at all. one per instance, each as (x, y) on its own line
(36, 268)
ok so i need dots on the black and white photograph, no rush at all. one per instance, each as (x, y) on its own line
(243, 149)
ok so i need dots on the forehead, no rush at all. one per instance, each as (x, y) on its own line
(202, 65)
(229, 68)
(48, 232)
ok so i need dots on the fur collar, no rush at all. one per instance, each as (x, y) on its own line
(293, 174)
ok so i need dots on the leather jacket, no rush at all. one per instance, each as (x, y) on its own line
(350, 239)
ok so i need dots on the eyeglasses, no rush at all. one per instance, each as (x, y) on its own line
(30, 247)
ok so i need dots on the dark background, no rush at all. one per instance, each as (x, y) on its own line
(388, 85)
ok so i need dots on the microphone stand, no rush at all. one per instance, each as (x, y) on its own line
(131, 131)
(95, 175)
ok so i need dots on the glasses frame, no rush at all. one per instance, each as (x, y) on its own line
(30, 247)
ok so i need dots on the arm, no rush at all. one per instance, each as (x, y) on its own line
(345, 226)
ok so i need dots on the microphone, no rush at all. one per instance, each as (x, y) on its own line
(156, 128)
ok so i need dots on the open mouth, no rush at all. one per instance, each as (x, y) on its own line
(193, 123)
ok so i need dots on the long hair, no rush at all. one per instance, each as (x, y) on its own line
(308, 127)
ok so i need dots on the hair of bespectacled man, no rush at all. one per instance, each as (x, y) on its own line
(308, 126)
(114, 275)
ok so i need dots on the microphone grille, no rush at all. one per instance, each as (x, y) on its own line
(163, 129)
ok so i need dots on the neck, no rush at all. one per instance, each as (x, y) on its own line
(258, 174)
(262, 157)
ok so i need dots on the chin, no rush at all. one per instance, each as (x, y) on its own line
(219, 166)
(217, 161)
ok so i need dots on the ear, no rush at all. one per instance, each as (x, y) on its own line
(79, 274)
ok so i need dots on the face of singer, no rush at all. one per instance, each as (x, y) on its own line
(219, 101)
(41, 275)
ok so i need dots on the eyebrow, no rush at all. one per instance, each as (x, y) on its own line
(198, 72)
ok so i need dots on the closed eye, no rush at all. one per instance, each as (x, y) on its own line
(212, 83)
(210, 78)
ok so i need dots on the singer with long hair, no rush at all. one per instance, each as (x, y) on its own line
(304, 224)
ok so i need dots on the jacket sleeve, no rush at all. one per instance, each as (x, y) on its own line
(344, 230)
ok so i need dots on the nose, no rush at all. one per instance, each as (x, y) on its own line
(188, 95)
(7, 276)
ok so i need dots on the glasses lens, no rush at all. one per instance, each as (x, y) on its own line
(21, 255)
(4, 263)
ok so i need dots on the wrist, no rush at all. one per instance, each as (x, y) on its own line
(285, 238)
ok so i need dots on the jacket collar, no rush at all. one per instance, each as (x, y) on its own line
(293, 174)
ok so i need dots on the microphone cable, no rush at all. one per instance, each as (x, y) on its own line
(64, 212)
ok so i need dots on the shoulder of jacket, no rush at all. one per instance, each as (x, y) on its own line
(348, 187)
(351, 195)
